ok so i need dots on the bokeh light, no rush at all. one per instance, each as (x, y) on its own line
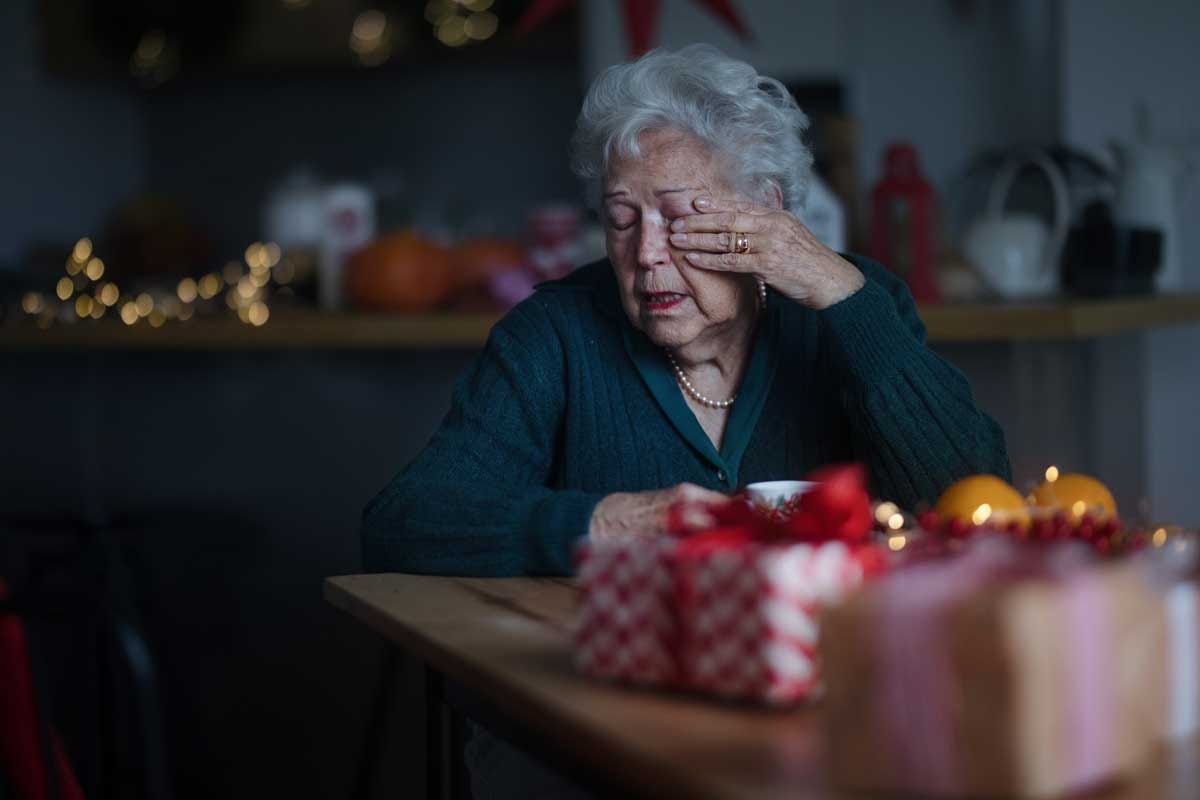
(209, 286)
(187, 290)
(109, 294)
(33, 303)
(481, 26)
(259, 313)
(82, 251)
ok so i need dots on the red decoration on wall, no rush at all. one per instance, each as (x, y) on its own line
(641, 19)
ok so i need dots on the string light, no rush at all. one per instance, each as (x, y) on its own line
(982, 514)
(94, 269)
(155, 58)
(896, 521)
(82, 251)
(481, 26)
(83, 294)
(370, 38)
(1078, 508)
(209, 286)
(246, 289)
(187, 290)
(255, 256)
(452, 31)
(884, 511)
(896, 542)
(109, 294)
(259, 313)
(1159, 538)
(1051, 474)
(32, 303)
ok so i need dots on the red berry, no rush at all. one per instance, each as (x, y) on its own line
(958, 528)
(1085, 530)
(929, 521)
(1043, 529)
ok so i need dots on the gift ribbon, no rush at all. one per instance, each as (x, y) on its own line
(1089, 745)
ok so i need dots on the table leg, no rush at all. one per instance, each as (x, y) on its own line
(437, 754)
(376, 735)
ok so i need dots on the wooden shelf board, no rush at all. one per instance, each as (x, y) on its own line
(310, 330)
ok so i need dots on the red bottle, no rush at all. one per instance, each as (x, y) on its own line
(902, 222)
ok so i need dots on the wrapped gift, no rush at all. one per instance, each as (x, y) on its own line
(728, 606)
(1174, 563)
(732, 619)
(1004, 670)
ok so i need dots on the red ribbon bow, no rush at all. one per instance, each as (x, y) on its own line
(838, 508)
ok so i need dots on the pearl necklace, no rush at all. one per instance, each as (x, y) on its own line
(686, 384)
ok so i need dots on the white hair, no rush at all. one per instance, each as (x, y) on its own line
(750, 119)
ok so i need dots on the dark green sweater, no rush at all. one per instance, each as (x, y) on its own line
(568, 403)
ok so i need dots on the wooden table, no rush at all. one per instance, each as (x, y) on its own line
(506, 641)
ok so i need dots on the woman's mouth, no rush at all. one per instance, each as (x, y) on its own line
(662, 301)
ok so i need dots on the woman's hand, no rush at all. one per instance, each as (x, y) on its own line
(625, 514)
(781, 252)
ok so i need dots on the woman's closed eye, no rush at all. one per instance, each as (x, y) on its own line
(621, 218)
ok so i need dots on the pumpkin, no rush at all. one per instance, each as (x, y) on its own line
(477, 260)
(401, 271)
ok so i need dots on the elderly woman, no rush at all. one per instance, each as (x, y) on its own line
(719, 344)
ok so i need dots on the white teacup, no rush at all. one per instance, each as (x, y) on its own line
(772, 494)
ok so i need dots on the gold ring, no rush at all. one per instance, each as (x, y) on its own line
(741, 243)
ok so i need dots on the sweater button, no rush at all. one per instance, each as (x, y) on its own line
(721, 476)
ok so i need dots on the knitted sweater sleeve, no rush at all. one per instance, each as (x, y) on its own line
(911, 416)
(477, 500)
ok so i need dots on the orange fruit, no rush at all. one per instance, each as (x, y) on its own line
(979, 498)
(1070, 490)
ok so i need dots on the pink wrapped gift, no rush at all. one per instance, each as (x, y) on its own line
(1003, 671)
(723, 614)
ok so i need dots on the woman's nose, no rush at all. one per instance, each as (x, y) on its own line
(653, 248)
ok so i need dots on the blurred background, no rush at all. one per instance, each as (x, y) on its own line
(246, 247)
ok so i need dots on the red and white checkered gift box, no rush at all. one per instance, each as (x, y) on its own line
(736, 620)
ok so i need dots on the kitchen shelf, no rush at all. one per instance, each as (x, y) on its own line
(309, 330)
